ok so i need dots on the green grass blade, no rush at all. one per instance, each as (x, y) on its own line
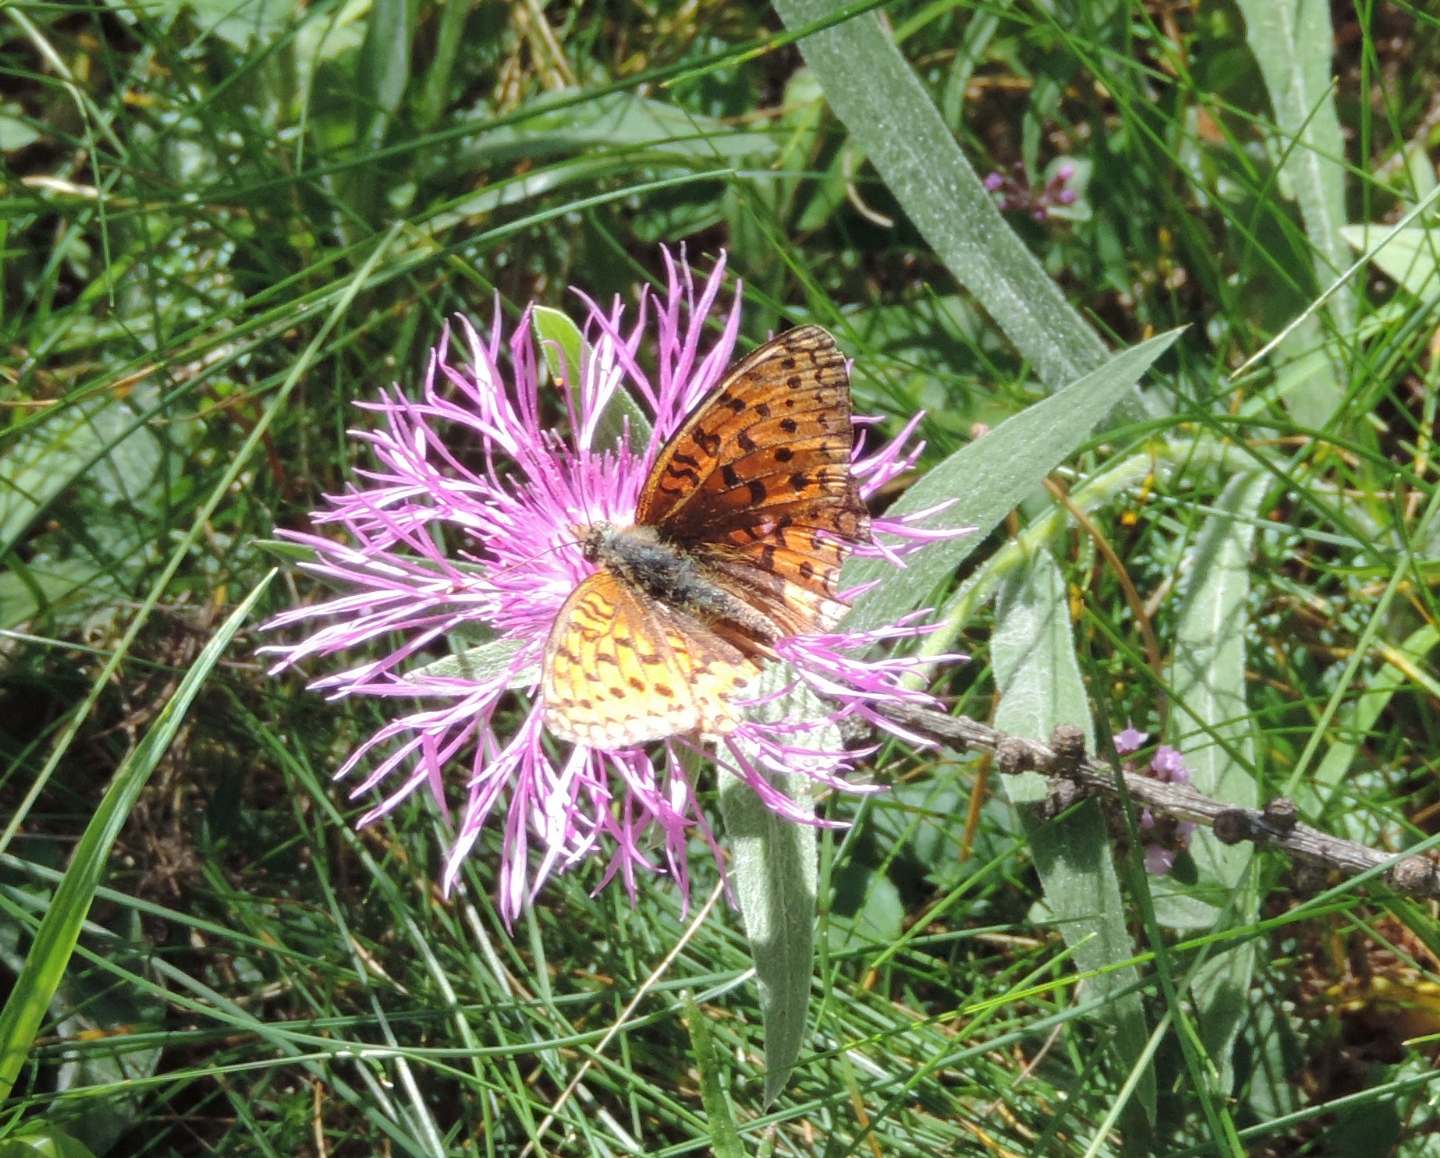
(724, 1137)
(60, 929)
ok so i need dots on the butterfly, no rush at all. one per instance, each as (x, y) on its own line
(739, 533)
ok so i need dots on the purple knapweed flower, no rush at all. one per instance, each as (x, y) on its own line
(465, 528)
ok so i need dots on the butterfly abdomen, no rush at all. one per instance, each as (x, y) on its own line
(665, 572)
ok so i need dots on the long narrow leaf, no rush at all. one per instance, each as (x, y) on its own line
(1208, 682)
(986, 479)
(775, 874)
(1293, 42)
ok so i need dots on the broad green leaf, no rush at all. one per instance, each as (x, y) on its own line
(238, 22)
(567, 358)
(986, 480)
(483, 662)
(1305, 377)
(1293, 42)
(897, 126)
(1419, 171)
(87, 462)
(103, 444)
(15, 133)
(64, 590)
(42, 1139)
(60, 928)
(1407, 254)
(561, 343)
(773, 868)
(1207, 688)
(878, 915)
(1041, 686)
(1278, 1054)
(324, 35)
(383, 71)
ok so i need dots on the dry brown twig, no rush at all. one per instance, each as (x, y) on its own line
(1074, 775)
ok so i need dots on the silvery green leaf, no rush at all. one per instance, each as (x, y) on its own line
(1041, 686)
(481, 664)
(773, 868)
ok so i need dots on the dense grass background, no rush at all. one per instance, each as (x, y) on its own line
(223, 223)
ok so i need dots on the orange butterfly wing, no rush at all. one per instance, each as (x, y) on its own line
(619, 673)
(757, 485)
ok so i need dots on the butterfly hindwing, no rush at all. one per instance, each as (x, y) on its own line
(790, 574)
(618, 673)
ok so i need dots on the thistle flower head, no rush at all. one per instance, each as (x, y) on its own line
(468, 525)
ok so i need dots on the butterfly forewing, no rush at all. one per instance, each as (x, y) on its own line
(780, 414)
(758, 480)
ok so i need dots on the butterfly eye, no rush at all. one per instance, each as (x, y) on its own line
(589, 537)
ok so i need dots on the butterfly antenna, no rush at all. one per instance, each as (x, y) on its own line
(516, 566)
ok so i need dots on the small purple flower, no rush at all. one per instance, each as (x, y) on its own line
(465, 526)
(1018, 195)
(1129, 740)
(1165, 838)
(1159, 860)
(1168, 765)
